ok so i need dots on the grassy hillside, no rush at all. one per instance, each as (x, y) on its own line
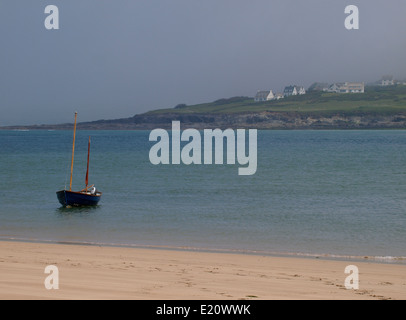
(377, 108)
(375, 100)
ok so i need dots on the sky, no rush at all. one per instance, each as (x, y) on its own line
(114, 59)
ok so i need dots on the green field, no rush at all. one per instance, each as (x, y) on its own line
(375, 101)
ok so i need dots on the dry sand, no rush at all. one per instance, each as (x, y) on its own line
(93, 272)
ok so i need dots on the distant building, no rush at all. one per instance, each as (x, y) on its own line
(335, 87)
(279, 96)
(300, 90)
(318, 86)
(264, 95)
(355, 87)
(387, 81)
(290, 91)
(347, 87)
(270, 96)
(293, 91)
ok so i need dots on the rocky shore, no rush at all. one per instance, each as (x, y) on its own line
(254, 120)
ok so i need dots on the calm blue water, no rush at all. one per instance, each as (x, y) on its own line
(339, 193)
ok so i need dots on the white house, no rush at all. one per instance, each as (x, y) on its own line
(347, 87)
(279, 96)
(293, 91)
(300, 90)
(387, 81)
(264, 95)
(270, 96)
(290, 91)
(355, 87)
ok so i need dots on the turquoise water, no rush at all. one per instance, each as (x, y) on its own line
(336, 193)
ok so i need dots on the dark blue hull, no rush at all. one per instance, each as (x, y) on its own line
(76, 199)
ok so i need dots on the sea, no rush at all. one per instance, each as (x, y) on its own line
(323, 194)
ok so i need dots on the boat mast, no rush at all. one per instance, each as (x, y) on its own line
(87, 171)
(73, 153)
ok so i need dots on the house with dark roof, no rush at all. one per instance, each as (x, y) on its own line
(264, 95)
(347, 87)
(293, 91)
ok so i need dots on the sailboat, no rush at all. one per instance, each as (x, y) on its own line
(89, 196)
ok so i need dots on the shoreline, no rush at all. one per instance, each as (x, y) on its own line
(397, 260)
(52, 128)
(107, 272)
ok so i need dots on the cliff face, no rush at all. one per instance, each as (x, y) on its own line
(261, 120)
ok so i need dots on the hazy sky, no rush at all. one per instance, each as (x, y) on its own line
(115, 59)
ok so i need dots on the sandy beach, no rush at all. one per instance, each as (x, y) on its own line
(96, 272)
